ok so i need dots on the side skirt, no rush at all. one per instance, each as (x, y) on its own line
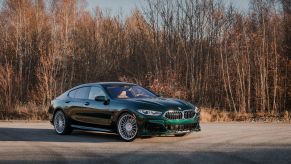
(91, 128)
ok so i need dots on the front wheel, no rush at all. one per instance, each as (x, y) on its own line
(127, 127)
(61, 123)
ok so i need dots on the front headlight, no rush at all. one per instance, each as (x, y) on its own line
(149, 112)
(197, 110)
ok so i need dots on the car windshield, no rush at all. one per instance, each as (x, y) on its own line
(128, 91)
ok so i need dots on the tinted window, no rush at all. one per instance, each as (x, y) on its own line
(72, 94)
(128, 91)
(95, 91)
(82, 93)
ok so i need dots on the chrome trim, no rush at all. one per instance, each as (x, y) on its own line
(183, 114)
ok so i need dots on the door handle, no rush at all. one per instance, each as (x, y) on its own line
(86, 103)
(67, 101)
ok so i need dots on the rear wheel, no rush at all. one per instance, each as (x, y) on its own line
(127, 127)
(61, 123)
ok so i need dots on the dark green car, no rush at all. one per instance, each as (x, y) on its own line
(123, 108)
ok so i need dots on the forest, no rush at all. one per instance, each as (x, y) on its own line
(206, 52)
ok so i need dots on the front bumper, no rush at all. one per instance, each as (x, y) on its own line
(150, 126)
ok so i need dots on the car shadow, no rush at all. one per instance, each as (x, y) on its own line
(49, 135)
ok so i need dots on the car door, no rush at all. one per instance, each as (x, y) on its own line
(76, 105)
(98, 113)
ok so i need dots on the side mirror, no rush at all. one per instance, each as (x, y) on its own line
(101, 98)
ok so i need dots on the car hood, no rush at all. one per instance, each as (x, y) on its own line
(161, 104)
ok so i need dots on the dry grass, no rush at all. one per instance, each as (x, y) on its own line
(212, 115)
(26, 112)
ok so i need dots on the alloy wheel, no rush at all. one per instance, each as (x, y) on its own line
(127, 127)
(59, 122)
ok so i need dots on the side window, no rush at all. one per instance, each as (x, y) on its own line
(82, 93)
(72, 93)
(95, 91)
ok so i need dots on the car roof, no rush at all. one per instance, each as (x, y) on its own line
(114, 83)
(104, 83)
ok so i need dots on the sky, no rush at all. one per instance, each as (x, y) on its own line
(126, 6)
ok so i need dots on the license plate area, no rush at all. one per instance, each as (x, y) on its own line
(182, 128)
(184, 131)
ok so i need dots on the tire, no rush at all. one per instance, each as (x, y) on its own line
(181, 135)
(61, 124)
(127, 127)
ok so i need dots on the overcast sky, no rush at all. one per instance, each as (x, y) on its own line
(126, 6)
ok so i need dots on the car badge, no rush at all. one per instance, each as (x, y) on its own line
(179, 108)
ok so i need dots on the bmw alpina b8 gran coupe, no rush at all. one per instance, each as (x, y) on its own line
(123, 108)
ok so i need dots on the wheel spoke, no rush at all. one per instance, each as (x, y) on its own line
(59, 122)
(127, 127)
